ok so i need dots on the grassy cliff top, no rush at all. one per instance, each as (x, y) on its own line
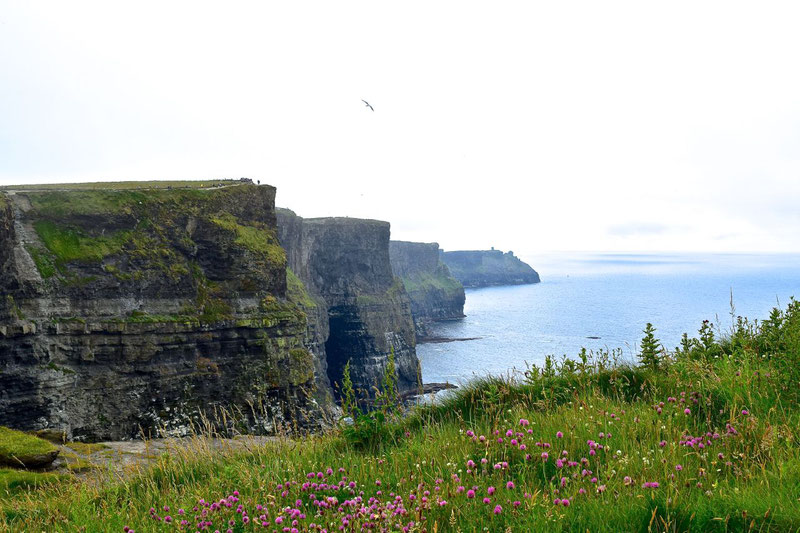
(345, 221)
(123, 185)
(55, 201)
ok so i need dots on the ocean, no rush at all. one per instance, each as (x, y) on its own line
(604, 301)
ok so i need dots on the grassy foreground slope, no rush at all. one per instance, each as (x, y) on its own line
(704, 438)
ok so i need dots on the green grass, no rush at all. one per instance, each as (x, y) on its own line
(428, 281)
(68, 244)
(296, 291)
(17, 447)
(257, 239)
(128, 199)
(122, 185)
(16, 482)
(86, 448)
(744, 407)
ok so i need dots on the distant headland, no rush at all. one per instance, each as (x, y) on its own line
(486, 268)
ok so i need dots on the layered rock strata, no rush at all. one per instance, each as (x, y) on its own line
(484, 268)
(344, 263)
(135, 309)
(434, 293)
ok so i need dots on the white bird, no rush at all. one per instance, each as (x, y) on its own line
(367, 104)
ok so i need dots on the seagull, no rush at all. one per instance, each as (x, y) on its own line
(367, 103)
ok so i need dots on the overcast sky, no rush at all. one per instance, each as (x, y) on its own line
(532, 126)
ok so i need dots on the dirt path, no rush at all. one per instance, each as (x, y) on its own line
(125, 457)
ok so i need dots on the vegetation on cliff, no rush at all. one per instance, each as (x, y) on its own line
(709, 442)
(148, 226)
(427, 282)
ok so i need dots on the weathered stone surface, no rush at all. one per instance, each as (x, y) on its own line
(344, 263)
(483, 268)
(434, 293)
(127, 311)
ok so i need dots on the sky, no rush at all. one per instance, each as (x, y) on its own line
(530, 126)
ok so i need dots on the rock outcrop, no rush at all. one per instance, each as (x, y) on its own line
(434, 293)
(483, 268)
(126, 309)
(344, 263)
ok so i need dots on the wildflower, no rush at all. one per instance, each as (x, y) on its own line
(559, 435)
(510, 485)
(487, 500)
(687, 411)
(470, 493)
(523, 422)
(517, 503)
(545, 456)
(498, 509)
(678, 467)
(745, 412)
(490, 490)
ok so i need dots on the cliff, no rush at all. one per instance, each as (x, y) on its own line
(128, 307)
(434, 293)
(482, 268)
(344, 262)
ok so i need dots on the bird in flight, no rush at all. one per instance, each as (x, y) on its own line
(367, 104)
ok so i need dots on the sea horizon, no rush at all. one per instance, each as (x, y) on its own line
(602, 301)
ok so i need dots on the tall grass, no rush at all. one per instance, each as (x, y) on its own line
(708, 442)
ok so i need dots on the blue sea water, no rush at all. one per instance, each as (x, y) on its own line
(610, 296)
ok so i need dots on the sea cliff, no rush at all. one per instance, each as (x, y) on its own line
(345, 264)
(132, 308)
(484, 268)
(434, 293)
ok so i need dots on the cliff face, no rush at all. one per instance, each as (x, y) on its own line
(130, 308)
(482, 268)
(434, 293)
(344, 262)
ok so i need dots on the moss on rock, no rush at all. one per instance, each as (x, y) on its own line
(296, 291)
(22, 450)
(258, 238)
